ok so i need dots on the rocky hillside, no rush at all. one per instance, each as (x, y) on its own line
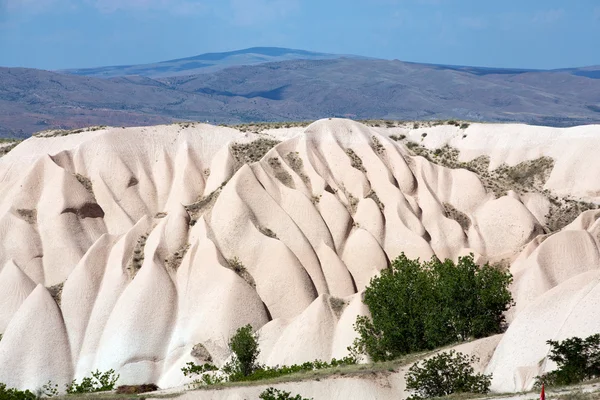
(140, 249)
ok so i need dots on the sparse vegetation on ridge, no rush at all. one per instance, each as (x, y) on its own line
(137, 258)
(6, 145)
(527, 176)
(280, 173)
(86, 183)
(251, 152)
(355, 160)
(174, 261)
(236, 266)
(67, 132)
(259, 127)
(297, 165)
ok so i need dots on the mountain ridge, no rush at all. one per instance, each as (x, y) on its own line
(205, 63)
(299, 90)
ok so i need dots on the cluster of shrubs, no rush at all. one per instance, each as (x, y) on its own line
(414, 306)
(14, 394)
(98, 382)
(422, 306)
(243, 365)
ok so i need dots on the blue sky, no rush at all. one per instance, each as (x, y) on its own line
(55, 34)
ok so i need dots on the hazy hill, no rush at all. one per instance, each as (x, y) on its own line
(205, 63)
(33, 100)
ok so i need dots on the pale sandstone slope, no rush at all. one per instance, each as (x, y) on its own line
(158, 243)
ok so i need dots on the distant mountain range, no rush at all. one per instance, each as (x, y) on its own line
(205, 63)
(273, 84)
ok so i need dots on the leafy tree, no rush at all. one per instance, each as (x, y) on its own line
(14, 394)
(244, 345)
(444, 374)
(420, 306)
(577, 360)
(276, 394)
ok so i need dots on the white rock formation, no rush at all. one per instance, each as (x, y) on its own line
(154, 241)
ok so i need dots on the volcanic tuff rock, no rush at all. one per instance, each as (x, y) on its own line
(133, 248)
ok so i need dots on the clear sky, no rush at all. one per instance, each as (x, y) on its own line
(55, 34)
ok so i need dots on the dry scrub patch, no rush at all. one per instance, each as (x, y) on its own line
(337, 305)
(176, 258)
(86, 183)
(248, 153)
(203, 204)
(355, 160)
(526, 177)
(56, 292)
(280, 173)
(236, 266)
(463, 220)
(67, 132)
(137, 258)
(28, 215)
(267, 232)
(258, 127)
(6, 145)
(297, 165)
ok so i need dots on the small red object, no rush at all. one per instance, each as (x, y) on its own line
(543, 394)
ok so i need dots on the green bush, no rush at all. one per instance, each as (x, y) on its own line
(444, 374)
(421, 306)
(244, 345)
(14, 394)
(577, 360)
(276, 394)
(195, 369)
(98, 382)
